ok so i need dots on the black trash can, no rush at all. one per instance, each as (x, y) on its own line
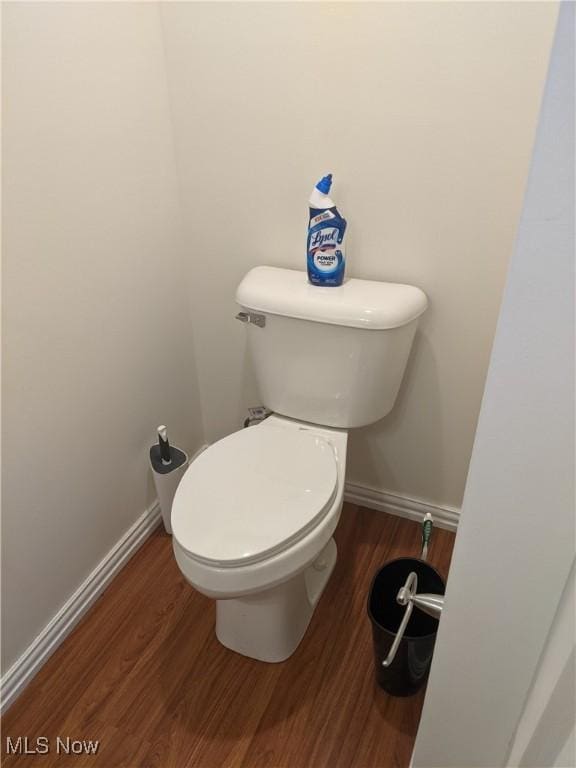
(409, 670)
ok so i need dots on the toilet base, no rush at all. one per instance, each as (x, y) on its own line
(269, 625)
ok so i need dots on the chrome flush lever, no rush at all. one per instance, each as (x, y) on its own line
(252, 317)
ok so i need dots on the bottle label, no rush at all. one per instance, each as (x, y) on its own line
(325, 247)
(326, 261)
(323, 238)
(324, 216)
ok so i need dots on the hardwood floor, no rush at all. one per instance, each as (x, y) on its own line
(144, 674)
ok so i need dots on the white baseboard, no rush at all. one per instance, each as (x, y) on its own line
(402, 506)
(44, 645)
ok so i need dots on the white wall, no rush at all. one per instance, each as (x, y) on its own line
(425, 112)
(94, 303)
(547, 722)
(497, 646)
(566, 758)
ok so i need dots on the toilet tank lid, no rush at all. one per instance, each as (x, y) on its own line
(356, 303)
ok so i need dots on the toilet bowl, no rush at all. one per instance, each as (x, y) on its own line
(252, 523)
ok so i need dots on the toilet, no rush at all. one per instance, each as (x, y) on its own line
(254, 515)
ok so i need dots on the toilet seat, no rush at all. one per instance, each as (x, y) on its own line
(253, 494)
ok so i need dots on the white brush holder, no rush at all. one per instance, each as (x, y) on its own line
(167, 478)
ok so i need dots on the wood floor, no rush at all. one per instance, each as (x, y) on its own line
(144, 674)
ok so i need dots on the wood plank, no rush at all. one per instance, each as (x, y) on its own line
(144, 674)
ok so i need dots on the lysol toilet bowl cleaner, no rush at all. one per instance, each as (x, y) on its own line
(326, 231)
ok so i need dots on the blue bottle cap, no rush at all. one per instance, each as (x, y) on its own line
(324, 184)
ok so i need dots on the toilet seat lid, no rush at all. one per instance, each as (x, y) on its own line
(253, 494)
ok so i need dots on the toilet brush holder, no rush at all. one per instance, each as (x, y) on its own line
(168, 466)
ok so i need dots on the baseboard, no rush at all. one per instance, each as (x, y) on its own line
(23, 670)
(402, 506)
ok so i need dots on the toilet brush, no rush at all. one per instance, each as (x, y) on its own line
(168, 466)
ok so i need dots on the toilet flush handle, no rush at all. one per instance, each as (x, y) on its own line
(252, 317)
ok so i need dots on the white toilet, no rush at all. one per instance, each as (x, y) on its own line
(253, 516)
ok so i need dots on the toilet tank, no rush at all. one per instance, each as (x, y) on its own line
(330, 356)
